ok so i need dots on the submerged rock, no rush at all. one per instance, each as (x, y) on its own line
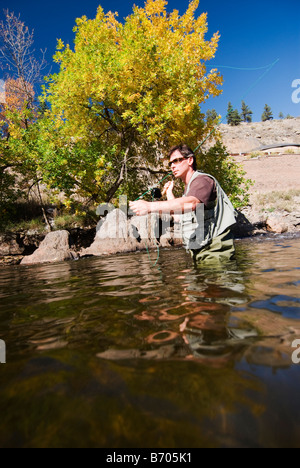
(54, 248)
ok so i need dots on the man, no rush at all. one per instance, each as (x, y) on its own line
(206, 237)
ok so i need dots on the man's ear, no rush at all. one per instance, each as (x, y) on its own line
(191, 161)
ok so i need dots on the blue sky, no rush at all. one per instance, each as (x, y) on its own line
(253, 34)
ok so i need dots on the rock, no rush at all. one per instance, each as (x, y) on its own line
(11, 260)
(171, 232)
(54, 248)
(31, 240)
(9, 245)
(114, 235)
(276, 224)
(146, 229)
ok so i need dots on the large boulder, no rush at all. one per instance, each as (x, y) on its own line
(114, 235)
(117, 234)
(54, 248)
(146, 229)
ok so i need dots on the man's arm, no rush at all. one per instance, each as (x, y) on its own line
(176, 206)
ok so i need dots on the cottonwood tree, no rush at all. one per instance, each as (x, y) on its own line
(126, 93)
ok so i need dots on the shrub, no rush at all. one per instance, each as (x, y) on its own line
(217, 162)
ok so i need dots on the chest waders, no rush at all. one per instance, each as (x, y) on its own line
(206, 231)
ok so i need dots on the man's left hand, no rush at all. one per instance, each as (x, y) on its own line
(140, 207)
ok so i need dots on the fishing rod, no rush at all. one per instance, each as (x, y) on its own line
(157, 194)
(267, 69)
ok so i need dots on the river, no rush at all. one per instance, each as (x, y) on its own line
(115, 352)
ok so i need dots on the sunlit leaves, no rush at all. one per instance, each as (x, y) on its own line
(150, 71)
(128, 90)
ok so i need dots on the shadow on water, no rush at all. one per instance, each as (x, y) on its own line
(113, 353)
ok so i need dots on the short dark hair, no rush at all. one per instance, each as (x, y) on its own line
(186, 152)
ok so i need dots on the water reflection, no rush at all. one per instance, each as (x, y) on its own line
(280, 304)
(114, 353)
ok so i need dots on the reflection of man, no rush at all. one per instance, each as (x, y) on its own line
(214, 239)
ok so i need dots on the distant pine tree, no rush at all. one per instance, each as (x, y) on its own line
(233, 116)
(229, 113)
(246, 113)
(281, 116)
(236, 118)
(211, 115)
(267, 114)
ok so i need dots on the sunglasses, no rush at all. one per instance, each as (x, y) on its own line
(176, 161)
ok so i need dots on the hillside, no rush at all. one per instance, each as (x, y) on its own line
(275, 194)
(250, 137)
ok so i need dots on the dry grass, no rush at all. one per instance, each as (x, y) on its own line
(278, 201)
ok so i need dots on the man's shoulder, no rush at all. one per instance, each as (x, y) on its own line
(202, 177)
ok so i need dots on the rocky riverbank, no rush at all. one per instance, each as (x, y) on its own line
(14, 247)
(274, 205)
(134, 234)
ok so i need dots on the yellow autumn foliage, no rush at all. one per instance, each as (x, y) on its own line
(131, 89)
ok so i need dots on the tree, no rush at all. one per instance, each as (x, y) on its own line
(236, 118)
(281, 116)
(18, 110)
(230, 111)
(18, 57)
(212, 116)
(246, 113)
(233, 116)
(126, 93)
(267, 114)
(217, 162)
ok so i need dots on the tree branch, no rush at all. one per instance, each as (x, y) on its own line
(120, 178)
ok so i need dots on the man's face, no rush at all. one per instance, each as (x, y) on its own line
(179, 164)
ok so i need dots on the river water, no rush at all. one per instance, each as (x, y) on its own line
(113, 352)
